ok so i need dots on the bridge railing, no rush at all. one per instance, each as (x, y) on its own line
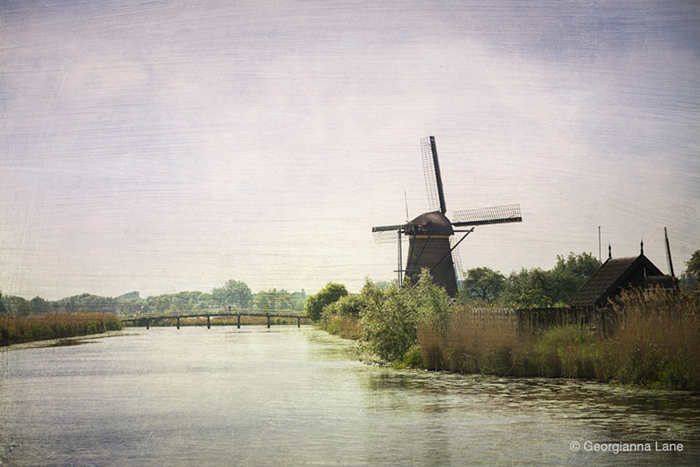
(147, 319)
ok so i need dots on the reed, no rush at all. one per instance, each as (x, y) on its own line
(15, 330)
(346, 327)
(653, 340)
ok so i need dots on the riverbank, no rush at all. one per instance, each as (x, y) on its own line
(17, 330)
(653, 340)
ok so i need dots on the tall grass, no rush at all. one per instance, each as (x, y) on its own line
(15, 330)
(652, 339)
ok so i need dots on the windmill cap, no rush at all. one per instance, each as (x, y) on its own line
(430, 223)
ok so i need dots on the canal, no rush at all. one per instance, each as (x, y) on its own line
(297, 397)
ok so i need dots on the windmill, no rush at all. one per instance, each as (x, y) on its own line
(431, 235)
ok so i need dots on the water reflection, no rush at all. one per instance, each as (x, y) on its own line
(298, 397)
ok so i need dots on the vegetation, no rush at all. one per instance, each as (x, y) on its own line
(331, 293)
(653, 340)
(533, 288)
(15, 330)
(234, 295)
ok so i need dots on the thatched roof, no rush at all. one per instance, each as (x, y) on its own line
(614, 275)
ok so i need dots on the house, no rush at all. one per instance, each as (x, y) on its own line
(618, 274)
(614, 276)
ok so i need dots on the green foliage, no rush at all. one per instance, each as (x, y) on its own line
(534, 299)
(233, 293)
(693, 266)
(39, 305)
(414, 358)
(534, 282)
(348, 305)
(329, 294)
(16, 306)
(390, 318)
(389, 321)
(536, 287)
(482, 284)
(272, 300)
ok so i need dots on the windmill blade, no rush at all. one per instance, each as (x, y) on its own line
(457, 262)
(386, 233)
(482, 216)
(433, 180)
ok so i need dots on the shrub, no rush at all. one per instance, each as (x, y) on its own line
(329, 294)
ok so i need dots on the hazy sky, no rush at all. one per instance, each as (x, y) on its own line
(164, 146)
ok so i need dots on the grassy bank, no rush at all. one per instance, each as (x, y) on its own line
(653, 341)
(16, 330)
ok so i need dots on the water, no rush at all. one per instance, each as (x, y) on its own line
(289, 396)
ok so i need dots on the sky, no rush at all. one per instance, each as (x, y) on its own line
(166, 146)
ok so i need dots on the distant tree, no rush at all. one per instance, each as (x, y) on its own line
(329, 294)
(581, 266)
(233, 293)
(693, 266)
(17, 306)
(3, 310)
(39, 305)
(528, 282)
(272, 300)
(557, 285)
(298, 300)
(571, 273)
(383, 285)
(483, 284)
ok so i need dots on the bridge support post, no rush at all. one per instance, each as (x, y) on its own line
(208, 323)
(148, 323)
(298, 322)
(268, 321)
(239, 321)
(178, 322)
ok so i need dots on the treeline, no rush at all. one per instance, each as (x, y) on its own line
(530, 288)
(233, 294)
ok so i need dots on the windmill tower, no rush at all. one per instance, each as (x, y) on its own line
(431, 235)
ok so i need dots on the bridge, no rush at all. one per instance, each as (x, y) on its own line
(147, 319)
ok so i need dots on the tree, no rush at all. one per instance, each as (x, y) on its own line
(272, 300)
(483, 284)
(329, 294)
(39, 305)
(581, 266)
(693, 266)
(537, 286)
(232, 293)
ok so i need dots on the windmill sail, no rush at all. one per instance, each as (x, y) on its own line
(483, 216)
(457, 262)
(433, 180)
(431, 244)
(386, 233)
